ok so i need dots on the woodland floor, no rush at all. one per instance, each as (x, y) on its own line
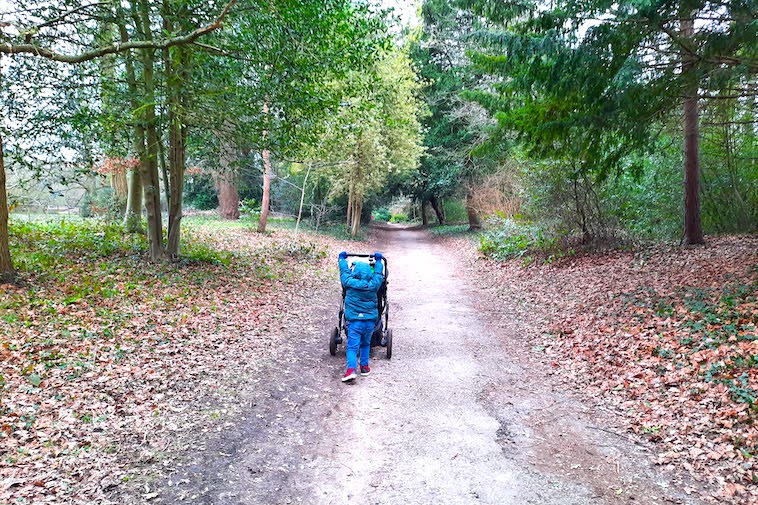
(604, 378)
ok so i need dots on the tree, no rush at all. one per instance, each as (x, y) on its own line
(455, 161)
(588, 81)
(376, 133)
(7, 272)
(43, 31)
(271, 85)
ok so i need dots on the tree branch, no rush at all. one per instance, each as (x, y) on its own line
(117, 47)
(63, 16)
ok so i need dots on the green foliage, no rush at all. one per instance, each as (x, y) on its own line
(450, 230)
(592, 95)
(455, 210)
(249, 208)
(399, 218)
(505, 239)
(585, 102)
(381, 214)
(198, 251)
(452, 129)
(42, 246)
(377, 133)
(200, 193)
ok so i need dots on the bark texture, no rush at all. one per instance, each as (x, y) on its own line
(176, 73)
(7, 272)
(266, 201)
(693, 232)
(226, 179)
(474, 223)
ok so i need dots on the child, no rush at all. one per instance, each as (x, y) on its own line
(361, 285)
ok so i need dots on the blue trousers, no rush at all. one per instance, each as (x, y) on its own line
(358, 336)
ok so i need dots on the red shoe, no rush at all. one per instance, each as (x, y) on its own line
(349, 375)
(365, 370)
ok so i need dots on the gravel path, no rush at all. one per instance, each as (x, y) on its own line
(461, 414)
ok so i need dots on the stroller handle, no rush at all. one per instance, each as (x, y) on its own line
(371, 255)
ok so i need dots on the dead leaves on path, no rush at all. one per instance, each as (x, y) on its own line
(668, 336)
(108, 367)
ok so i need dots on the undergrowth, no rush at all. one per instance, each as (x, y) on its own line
(504, 238)
(450, 230)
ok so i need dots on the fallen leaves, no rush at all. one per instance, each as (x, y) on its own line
(668, 336)
(101, 358)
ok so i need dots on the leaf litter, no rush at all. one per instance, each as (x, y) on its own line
(108, 366)
(664, 335)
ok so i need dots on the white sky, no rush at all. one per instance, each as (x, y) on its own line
(405, 9)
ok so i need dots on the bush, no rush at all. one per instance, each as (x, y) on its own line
(382, 214)
(250, 208)
(200, 193)
(450, 230)
(37, 246)
(455, 211)
(506, 238)
(399, 218)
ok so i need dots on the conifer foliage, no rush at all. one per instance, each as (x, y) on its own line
(589, 82)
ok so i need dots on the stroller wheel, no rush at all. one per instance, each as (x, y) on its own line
(388, 336)
(333, 340)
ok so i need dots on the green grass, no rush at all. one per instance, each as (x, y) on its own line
(451, 230)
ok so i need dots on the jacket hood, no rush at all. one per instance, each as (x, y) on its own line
(362, 270)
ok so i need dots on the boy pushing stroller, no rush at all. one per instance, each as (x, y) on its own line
(361, 284)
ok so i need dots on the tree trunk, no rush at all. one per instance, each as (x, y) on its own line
(266, 191)
(693, 233)
(266, 200)
(474, 223)
(163, 169)
(176, 74)
(348, 221)
(228, 197)
(7, 272)
(133, 212)
(438, 209)
(151, 187)
(302, 198)
(149, 156)
(356, 214)
(424, 218)
(225, 180)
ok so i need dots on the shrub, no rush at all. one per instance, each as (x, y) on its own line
(506, 238)
(399, 218)
(455, 211)
(250, 208)
(382, 214)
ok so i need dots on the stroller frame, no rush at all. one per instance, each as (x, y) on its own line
(382, 335)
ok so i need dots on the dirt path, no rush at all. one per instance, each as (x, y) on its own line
(460, 415)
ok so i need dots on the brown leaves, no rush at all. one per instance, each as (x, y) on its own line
(92, 388)
(667, 335)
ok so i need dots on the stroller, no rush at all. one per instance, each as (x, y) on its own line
(382, 335)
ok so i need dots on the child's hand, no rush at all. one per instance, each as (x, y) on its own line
(343, 255)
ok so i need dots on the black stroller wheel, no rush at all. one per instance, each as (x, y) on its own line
(389, 344)
(333, 341)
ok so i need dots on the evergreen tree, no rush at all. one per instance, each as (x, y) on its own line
(586, 82)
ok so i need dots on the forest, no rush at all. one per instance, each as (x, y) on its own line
(174, 164)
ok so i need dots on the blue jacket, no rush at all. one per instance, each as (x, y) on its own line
(361, 285)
